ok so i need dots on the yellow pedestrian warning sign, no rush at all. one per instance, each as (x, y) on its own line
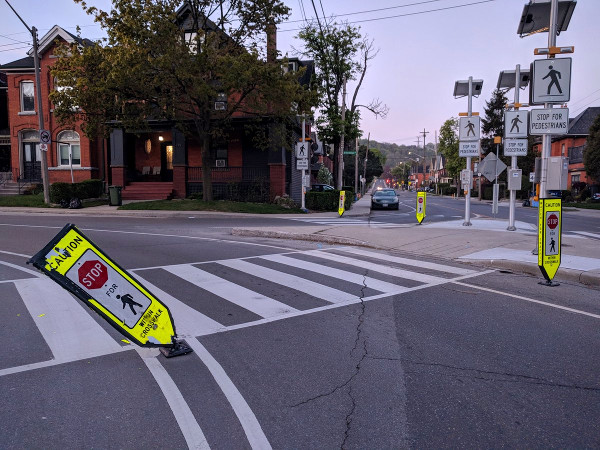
(82, 268)
(549, 237)
(341, 208)
(421, 202)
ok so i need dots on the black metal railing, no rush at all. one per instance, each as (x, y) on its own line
(229, 174)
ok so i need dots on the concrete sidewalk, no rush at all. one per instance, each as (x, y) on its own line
(485, 243)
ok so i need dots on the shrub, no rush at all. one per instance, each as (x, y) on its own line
(88, 189)
(326, 201)
(60, 192)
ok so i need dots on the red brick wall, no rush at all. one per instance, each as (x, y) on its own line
(179, 181)
(89, 151)
(277, 179)
(118, 176)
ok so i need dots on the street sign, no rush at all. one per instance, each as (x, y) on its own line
(515, 124)
(45, 137)
(550, 81)
(469, 128)
(491, 166)
(302, 150)
(341, 204)
(421, 202)
(44, 147)
(302, 164)
(549, 236)
(468, 148)
(549, 121)
(82, 268)
(515, 147)
(531, 177)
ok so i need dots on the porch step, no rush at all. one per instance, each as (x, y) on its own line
(151, 190)
(12, 188)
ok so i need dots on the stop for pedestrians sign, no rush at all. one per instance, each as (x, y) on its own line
(92, 274)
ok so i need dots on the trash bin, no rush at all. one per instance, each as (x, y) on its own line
(114, 196)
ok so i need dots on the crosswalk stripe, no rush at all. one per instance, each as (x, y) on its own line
(291, 281)
(393, 271)
(409, 262)
(234, 293)
(69, 330)
(351, 277)
(188, 321)
(588, 234)
(350, 222)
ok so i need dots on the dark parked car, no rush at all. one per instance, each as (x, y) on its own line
(321, 187)
(385, 198)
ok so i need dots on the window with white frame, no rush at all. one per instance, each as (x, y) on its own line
(69, 151)
(27, 96)
(194, 41)
(67, 90)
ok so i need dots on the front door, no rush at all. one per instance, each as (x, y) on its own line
(32, 161)
(166, 161)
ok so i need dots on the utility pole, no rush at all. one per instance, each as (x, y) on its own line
(424, 133)
(38, 86)
(340, 171)
(365, 166)
(356, 169)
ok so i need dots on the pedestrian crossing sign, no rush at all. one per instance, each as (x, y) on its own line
(421, 201)
(82, 268)
(549, 236)
(341, 205)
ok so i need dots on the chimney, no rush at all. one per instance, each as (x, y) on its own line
(271, 40)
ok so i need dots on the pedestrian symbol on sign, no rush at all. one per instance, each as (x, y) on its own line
(554, 77)
(471, 128)
(515, 124)
(127, 299)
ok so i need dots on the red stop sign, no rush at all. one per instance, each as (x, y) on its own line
(420, 199)
(552, 221)
(93, 274)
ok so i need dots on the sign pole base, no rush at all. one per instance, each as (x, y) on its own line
(511, 228)
(549, 283)
(180, 347)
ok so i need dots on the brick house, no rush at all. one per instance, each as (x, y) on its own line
(71, 156)
(157, 162)
(572, 145)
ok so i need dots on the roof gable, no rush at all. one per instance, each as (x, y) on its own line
(580, 125)
(56, 32)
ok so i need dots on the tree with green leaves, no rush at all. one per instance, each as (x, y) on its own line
(591, 157)
(167, 62)
(375, 163)
(340, 54)
(401, 172)
(492, 123)
(448, 147)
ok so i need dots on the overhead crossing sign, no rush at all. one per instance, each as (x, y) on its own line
(82, 268)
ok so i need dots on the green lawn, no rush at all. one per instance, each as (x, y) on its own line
(31, 201)
(221, 205)
(582, 205)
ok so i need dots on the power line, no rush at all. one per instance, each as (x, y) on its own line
(583, 98)
(581, 108)
(410, 14)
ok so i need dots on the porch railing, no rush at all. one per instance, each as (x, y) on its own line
(230, 174)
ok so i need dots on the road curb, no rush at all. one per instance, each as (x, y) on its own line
(300, 237)
(577, 276)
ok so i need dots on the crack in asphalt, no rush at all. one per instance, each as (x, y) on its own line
(357, 367)
(525, 379)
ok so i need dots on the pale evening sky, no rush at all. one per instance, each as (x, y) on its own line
(421, 53)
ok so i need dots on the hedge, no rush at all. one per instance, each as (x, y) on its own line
(66, 191)
(326, 201)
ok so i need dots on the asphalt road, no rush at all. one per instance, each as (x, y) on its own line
(296, 345)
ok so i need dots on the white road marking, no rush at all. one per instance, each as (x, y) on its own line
(585, 233)
(234, 293)
(22, 269)
(527, 299)
(380, 268)
(351, 277)
(188, 321)
(69, 330)
(192, 433)
(254, 432)
(291, 281)
(15, 254)
(409, 262)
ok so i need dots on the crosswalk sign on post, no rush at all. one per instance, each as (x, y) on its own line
(549, 238)
(341, 207)
(82, 268)
(421, 202)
